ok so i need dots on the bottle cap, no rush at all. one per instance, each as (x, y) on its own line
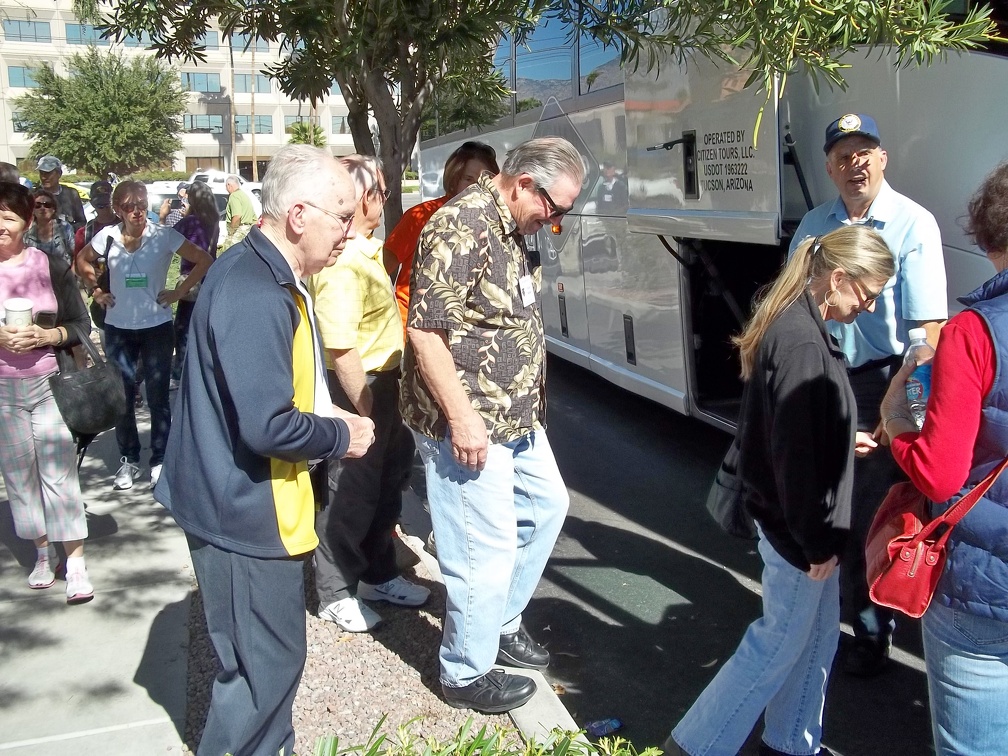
(916, 334)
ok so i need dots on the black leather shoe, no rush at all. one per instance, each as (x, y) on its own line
(671, 748)
(493, 693)
(519, 650)
(766, 750)
(866, 658)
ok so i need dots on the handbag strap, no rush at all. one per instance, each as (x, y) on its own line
(961, 508)
(86, 342)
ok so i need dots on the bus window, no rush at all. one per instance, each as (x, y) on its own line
(544, 66)
(599, 66)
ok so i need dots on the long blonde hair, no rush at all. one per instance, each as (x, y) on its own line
(858, 251)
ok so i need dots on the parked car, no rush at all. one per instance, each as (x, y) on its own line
(158, 191)
(215, 177)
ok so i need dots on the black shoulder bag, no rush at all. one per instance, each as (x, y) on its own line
(92, 399)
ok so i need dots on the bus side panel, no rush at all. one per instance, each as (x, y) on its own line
(635, 315)
(563, 294)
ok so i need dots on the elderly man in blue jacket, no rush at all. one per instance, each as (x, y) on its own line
(252, 411)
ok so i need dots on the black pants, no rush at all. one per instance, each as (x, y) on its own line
(183, 314)
(255, 613)
(873, 475)
(355, 530)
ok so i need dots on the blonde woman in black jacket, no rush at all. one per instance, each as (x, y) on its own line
(796, 440)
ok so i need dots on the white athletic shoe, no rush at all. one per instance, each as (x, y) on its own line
(126, 475)
(351, 615)
(398, 590)
(155, 475)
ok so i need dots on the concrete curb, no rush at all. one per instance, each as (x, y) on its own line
(537, 719)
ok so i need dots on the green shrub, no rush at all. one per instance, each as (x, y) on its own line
(499, 741)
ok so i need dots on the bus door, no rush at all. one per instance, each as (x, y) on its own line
(703, 156)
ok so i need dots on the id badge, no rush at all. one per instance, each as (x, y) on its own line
(136, 281)
(527, 290)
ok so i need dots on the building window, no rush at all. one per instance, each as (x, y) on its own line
(20, 125)
(243, 83)
(210, 40)
(142, 41)
(289, 122)
(84, 34)
(20, 76)
(203, 124)
(264, 124)
(340, 125)
(200, 82)
(240, 43)
(26, 31)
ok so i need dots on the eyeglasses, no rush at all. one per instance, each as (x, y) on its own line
(556, 211)
(866, 296)
(132, 207)
(46, 205)
(346, 220)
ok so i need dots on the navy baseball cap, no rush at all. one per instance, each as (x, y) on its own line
(852, 124)
(101, 194)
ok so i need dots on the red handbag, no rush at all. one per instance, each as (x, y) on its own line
(903, 554)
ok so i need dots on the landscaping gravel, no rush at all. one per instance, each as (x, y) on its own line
(351, 680)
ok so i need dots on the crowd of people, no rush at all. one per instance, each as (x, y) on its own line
(433, 343)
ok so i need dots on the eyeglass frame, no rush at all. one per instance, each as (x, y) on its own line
(47, 205)
(557, 211)
(344, 220)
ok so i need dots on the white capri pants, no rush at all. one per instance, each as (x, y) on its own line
(39, 463)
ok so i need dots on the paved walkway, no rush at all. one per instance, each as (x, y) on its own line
(109, 677)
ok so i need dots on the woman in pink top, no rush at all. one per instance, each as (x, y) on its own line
(37, 450)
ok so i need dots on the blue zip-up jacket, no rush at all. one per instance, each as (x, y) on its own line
(975, 578)
(235, 471)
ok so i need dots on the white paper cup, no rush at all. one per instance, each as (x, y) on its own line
(18, 312)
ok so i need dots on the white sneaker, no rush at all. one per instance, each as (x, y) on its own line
(155, 475)
(41, 576)
(79, 588)
(398, 590)
(126, 475)
(351, 615)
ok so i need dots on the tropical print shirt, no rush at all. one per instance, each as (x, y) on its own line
(465, 281)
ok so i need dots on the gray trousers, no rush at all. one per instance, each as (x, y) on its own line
(255, 613)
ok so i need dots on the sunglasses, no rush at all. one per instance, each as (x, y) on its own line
(132, 207)
(556, 212)
(47, 205)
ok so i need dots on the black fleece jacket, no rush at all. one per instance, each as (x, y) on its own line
(796, 436)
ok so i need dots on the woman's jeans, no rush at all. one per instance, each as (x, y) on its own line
(125, 347)
(967, 669)
(781, 667)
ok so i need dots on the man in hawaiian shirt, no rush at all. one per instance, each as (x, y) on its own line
(474, 389)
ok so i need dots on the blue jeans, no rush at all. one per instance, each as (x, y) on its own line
(124, 347)
(495, 529)
(781, 667)
(967, 669)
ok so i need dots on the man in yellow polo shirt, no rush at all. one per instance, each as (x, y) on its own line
(362, 332)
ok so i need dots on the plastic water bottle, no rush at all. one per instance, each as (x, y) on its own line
(918, 385)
